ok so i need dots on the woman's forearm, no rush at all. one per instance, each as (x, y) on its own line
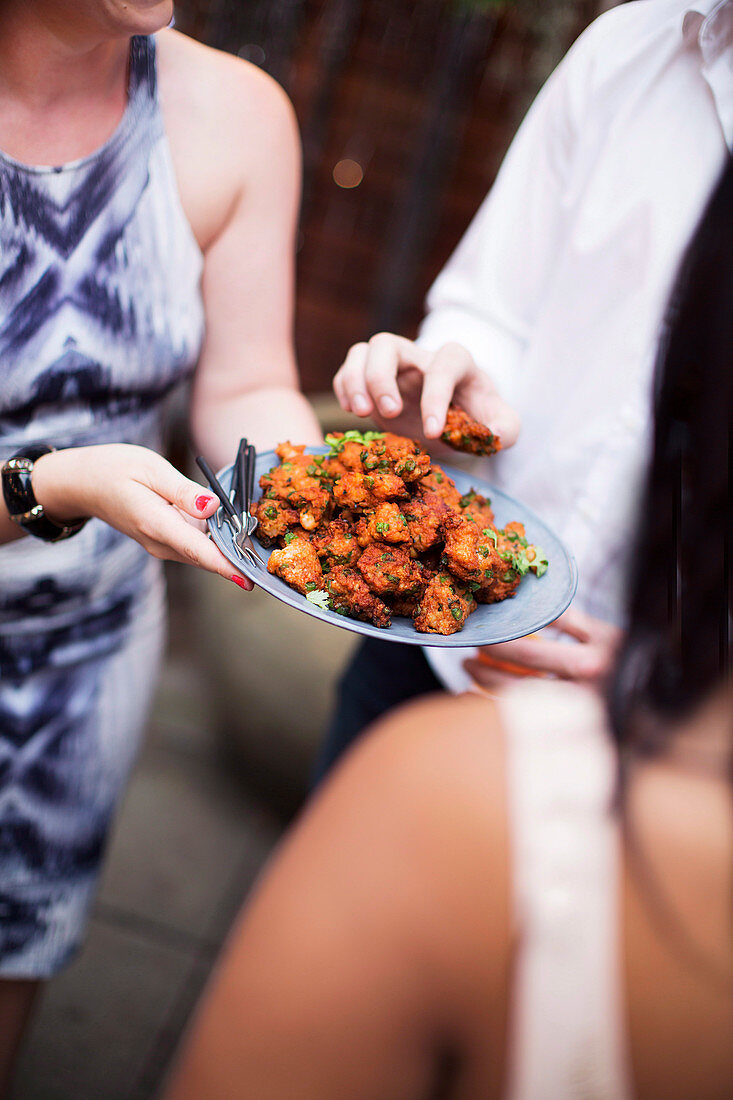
(265, 416)
(136, 491)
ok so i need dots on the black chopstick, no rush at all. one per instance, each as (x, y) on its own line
(234, 489)
(251, 451)
(240, 472)
(216, 485)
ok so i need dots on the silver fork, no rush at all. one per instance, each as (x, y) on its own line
(246, 481)
(240, 537)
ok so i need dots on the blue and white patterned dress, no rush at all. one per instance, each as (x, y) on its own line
(100, 317)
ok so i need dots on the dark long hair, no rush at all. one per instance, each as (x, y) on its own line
(678, 646)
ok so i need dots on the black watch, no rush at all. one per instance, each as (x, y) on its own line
(20, 500)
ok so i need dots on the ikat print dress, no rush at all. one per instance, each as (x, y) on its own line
(100, 317)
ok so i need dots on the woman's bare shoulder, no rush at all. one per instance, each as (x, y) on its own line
(446, 753)
(406, 845)
(432, 775)
(217, 87)
(459, 735)
(232, 134)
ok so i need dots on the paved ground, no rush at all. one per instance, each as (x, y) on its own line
(189, 841)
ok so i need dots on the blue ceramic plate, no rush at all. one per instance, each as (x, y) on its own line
(539, 600)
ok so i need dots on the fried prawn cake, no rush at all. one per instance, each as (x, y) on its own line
(444, 606)
(381, 451)
(274, 519)
(475, 507)
(526, 555)
(405, 606)
(405, 457)
(502, 587)
(348, 457)
(390, 571)
(336, 543)
(363, 492)
(425, 515)
(513, 564)
(298, 565)
(300, 482)
(358, 455)
(463, 433)
(468, 553)
(386, 523)
(437, 481)
(350, 595)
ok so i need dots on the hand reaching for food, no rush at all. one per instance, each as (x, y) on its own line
(408, 389)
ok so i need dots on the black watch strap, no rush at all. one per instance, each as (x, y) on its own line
(20, 499)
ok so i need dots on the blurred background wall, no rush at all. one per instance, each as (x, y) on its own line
(406, 108)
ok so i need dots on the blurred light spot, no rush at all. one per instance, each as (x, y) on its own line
(253, 53)
(348, 173)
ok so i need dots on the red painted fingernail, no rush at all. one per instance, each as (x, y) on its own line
(203, 502)
(241, 582)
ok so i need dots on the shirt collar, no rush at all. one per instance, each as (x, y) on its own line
(708, 28)
(709, 23)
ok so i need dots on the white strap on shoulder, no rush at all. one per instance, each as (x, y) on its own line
(567, 1029)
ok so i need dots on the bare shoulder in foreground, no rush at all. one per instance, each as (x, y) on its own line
(374, 955)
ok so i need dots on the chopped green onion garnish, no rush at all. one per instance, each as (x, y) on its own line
(337, 445)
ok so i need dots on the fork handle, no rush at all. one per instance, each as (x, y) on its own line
(216, 485)
(240, 476)
(252, 457)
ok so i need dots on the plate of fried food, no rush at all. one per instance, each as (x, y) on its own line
(369, 534)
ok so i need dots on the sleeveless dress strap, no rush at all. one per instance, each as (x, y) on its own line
(143, 70)
(567, 1033)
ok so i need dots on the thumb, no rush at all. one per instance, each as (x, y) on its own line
(500, 417)
(504, 421)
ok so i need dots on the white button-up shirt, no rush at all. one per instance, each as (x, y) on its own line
(559, 286)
